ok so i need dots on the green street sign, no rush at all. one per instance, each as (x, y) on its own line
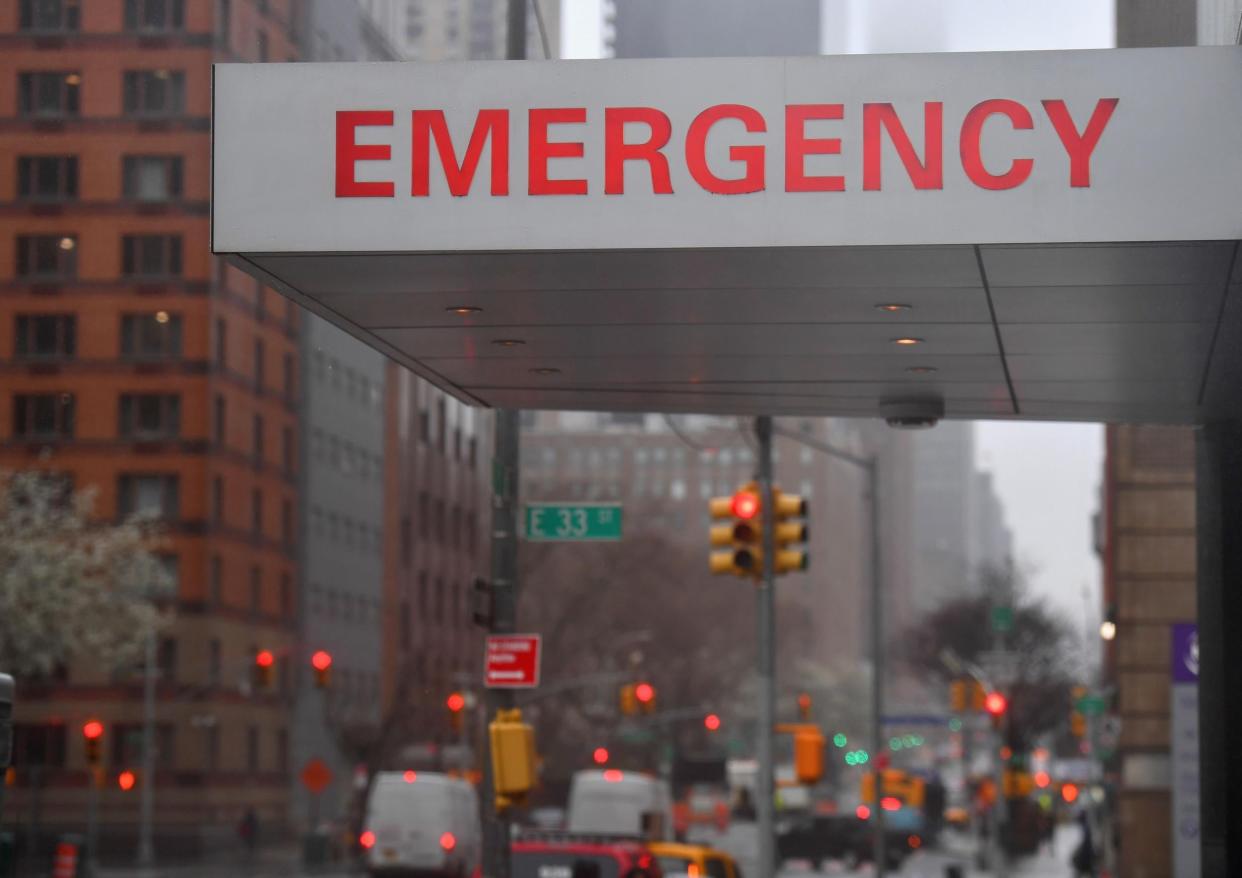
(1090, 705)
(573, 522)
(1002, 619)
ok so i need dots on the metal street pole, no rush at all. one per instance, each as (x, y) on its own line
(497, 827)
(1000, 867)
(877, 666)
(766, 648)
(146, 850)
(92, 820)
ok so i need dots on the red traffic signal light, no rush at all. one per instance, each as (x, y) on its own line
(321, 663)
(126, 780)
(711, 722)
(264, 658)
(746, 504)
(92, 730)
(644, 693)
(995, 703)
(600, 756)
(455, 702)
(1069, 792)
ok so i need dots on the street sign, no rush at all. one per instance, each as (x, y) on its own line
(1090, 705)
(573, 522)
(1002, 619)
(316, 775)
(512, 661)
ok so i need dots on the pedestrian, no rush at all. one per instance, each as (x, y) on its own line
(1083, 858)
(248, 831)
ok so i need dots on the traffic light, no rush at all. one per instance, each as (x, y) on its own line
(786, 508)
(264, 667)
(456, 703)
(808, 755)
(92, 742)
(321, 664)
(804, 707)
(978, 695)
(737, 532)
(626, 700)
(996, 704)
(645, 695)
(126, 780)
(513, 757)
(957, 696)
(600, 756)
(1078, 720)
(711, 722)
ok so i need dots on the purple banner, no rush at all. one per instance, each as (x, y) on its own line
(1185, 653)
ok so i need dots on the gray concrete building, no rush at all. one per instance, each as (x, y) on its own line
(342, 473)
(472, 30)
(713, 28)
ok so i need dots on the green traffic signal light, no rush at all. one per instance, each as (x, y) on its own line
(895, 743)
(839, 739)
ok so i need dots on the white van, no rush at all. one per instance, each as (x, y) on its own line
(620, 803)
(422, 823)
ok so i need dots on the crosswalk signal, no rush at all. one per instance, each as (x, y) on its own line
(788, 532)
(808, 755)
(92, 742)
(737, 532)
(513, 758)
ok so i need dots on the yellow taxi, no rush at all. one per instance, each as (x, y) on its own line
(693, 861)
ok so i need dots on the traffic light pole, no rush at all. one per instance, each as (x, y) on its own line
(766, 647)
(92, 820)
(877, 665)
(146, 804)
(496, 825)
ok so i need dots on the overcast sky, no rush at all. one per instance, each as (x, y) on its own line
(1047, 474)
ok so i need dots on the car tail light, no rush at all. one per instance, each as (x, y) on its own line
(367, 839)
(915, 842)
(448, 841)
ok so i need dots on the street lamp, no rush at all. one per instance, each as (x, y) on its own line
(1108, 629)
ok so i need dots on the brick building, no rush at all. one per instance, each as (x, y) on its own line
(136, 363)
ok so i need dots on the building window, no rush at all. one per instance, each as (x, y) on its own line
(155, 496)
(282, 750)
(150, 415)
(166, 659)
(256, 589)
(218, 421)
(440, 522)
(407, 542)
(217, 499)
(46, 336)
(47, 257)
(154, 92)
(442, 425)
(212, 758)
(422, 595)
(150, 255)
(439, 598)
(222, 331)
(151, 177)
(286, 449)
(154, 16)
(252, 748)
(48, 94)
(39, 744)
(424, 426)
(286, 594)
(288, 364)
(260, 354)
(286, 522)
(47, 177)
(223, 21)
(43, 415)
(214, 597)
(262, 46)
(49, 15)
(257, 442)
(214, 661)
(256, 512)
(424, 514)
(403, 621)
(151, 336)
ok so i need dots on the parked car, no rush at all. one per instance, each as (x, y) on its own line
(693, 861)
(421, 823)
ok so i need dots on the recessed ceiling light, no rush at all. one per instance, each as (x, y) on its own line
(67, 243)
(464, 309)
(907, 340)
(161, 316)
(921, 370)
(893, 307)
(508, 342)
(73, 79)
(546, 370)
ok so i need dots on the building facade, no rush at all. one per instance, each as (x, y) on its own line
(138, 364)
(473, 30)
(711, 28)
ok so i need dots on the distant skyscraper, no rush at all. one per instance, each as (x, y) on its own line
(714, 28)
(461, 30)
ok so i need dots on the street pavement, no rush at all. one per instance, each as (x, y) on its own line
(741, 840)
